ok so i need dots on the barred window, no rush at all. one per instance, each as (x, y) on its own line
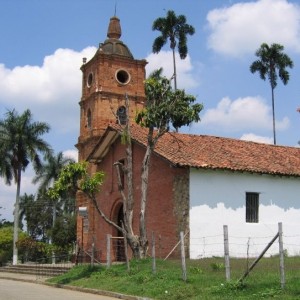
(122, 115)
(89, 119)
(252, 205)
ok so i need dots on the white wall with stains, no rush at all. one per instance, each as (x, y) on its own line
(218, 198)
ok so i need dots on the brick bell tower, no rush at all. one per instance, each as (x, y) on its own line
(107, 78)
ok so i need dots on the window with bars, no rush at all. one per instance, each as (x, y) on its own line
(252, 207)
(89, 119)
(122, 115)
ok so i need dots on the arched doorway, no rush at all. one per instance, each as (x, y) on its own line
(120, 245)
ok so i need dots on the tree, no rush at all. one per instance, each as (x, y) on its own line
(63, 232)
(172, 28)
(21, 143)
(50, 170)
(165, 108)
(47, 175)
(37, 211)
(6, 245)
(272, 63)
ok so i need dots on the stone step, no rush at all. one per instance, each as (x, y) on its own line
(41, 270)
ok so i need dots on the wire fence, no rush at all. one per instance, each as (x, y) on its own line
(236, 256)
(232, 255)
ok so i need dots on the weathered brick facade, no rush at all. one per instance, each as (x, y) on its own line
(110, 75)
(167, 210)
(107, 77)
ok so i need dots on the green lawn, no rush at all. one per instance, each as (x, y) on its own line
(205, 279)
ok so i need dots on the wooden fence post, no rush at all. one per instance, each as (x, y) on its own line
(281, 255)
(93, 254)
(108, 250)
(226, 252)
(153, 254)
(259, 257)
(184, 276)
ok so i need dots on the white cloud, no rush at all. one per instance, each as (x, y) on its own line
(8, 193)
(243, 27)
(184, 68)
(51, 91)
(71, 154)
(256, 138)
(242, 114)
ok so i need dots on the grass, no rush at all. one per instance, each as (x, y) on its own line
(206, 279)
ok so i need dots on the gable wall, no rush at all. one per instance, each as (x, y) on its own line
(167, 211)
(218, 198)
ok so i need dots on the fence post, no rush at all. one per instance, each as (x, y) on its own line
(183, 256)
(108, 250)
(281, 255)
(126, 252)
(153, 254)
(226, 252)
(93, 254)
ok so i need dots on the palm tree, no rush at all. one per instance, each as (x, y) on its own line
(20, 144)
(47, 175)
(272, 63)
(172, 28)
(49, 171)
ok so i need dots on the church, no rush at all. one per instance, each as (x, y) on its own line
(197, 183)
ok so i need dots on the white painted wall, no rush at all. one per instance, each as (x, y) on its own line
(218, 198)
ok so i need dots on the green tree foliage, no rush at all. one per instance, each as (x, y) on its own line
(165, 108)
(50, 170)
(63, 232)
(272, 63)
(173, 28)
(20, 143)
(75, 178)
(6, 243)
(37, 213)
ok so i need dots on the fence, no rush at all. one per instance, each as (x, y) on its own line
(229, 258)
(255, 248)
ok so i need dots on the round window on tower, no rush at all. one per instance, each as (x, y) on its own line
(122, 77)
(90, 80)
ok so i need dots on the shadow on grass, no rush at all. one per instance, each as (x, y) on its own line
(75, 273)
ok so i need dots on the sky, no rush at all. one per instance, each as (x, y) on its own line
(42, 44)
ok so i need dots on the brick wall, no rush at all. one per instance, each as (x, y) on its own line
(167, 207)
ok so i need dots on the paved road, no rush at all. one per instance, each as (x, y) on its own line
(17, 290)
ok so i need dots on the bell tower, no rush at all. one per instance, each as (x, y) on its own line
(106, 79)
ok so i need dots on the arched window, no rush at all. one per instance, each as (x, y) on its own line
(89, 119)
(122, 115)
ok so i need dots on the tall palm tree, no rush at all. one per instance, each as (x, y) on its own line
(49, 173)
(50, 170)
(20, 144)
(272, 63)
(172, 28)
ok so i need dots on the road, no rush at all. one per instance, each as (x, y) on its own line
(17, 290)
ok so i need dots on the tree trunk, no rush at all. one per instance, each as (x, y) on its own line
(175, 74)
(16, 219)
(145, 181)
(273, 111)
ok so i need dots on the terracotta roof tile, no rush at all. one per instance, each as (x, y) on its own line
(210, 152)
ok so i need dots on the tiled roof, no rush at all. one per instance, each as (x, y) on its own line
(210, 152)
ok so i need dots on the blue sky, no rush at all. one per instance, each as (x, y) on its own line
(43, 43)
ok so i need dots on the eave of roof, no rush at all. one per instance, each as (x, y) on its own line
(210, 152)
